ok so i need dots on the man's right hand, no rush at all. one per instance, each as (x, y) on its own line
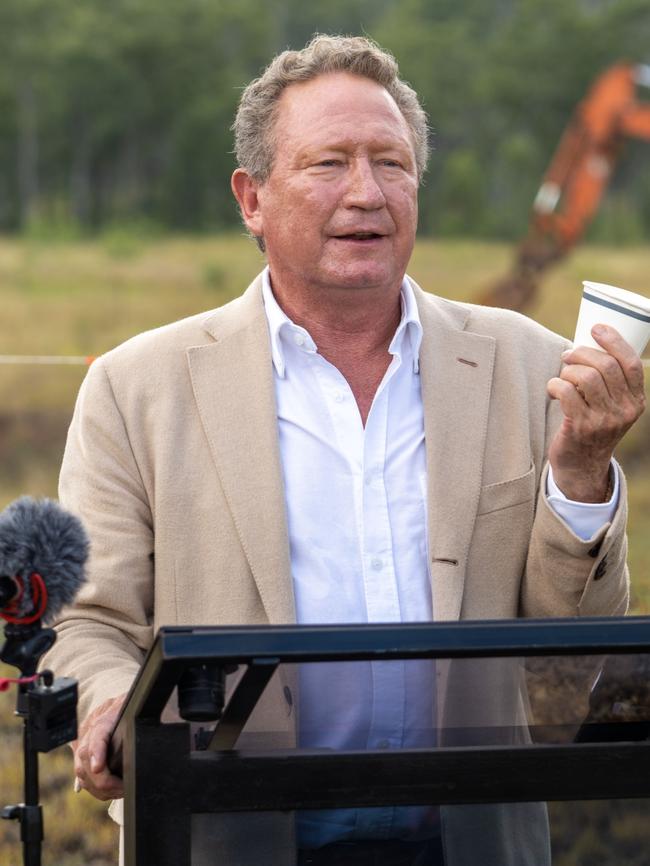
(91, 751)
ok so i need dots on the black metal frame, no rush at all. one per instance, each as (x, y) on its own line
(166, 782)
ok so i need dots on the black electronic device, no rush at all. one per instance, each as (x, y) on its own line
(201, 693)
(53, 709)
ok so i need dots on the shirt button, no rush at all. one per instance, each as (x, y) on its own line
(383, 744)
(595, 550)
(338, 396)
(299, 339)
(377, 564)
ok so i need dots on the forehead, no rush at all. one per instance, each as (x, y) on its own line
(334, 106)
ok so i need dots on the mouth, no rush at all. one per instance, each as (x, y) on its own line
(359, 237)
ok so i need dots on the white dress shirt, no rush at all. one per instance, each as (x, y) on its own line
(356, 513)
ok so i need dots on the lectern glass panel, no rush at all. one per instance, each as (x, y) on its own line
(427, 703)
(498, 744)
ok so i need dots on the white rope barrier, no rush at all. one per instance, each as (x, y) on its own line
(87, 359)
(47, 359)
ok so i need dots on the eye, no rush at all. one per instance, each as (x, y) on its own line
(329, 163)
(390, 163)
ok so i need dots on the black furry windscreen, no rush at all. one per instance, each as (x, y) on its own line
(37, 535)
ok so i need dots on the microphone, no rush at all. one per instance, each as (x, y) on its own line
(43, 551)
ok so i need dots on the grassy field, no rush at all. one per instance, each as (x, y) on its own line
(83, 299)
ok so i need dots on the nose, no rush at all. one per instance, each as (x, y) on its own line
(363, 190)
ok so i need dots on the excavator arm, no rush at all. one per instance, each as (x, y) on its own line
(576, 179)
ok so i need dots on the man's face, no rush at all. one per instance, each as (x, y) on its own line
(340, 207)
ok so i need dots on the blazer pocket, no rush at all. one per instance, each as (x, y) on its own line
(506, 494)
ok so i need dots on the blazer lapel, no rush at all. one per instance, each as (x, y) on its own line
(456, 369)
(233, 386)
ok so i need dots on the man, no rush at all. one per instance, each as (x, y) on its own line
(338, 446)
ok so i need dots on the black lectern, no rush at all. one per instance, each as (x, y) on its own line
(171, 774)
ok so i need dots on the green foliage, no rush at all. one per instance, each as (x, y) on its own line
(618, 222)
(513, 183)
(462, 195)
(118, 111)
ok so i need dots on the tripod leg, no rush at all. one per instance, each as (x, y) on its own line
(31, 819)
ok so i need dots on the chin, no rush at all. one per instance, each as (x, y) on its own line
(363, 278)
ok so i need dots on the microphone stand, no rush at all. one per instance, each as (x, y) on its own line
(48, 709)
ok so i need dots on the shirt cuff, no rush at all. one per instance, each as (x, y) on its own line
(585, 519)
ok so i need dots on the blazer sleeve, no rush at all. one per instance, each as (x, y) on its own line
(567, 576)
(102, 638)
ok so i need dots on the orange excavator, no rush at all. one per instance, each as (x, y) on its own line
(576, 179)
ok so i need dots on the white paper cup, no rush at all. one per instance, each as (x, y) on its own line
(626, 311)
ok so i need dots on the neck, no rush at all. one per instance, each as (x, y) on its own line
(356, 323)
(352, 328)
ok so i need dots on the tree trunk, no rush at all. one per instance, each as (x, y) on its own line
(27, 159)
(80, 180)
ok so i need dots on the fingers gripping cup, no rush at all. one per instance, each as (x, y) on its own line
(626, 311)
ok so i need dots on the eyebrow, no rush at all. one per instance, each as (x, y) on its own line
(402, 147)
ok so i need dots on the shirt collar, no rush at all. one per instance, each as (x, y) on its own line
(406, 339)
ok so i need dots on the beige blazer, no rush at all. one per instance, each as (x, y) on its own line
(172, 461)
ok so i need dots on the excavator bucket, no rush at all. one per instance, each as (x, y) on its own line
(512, 292)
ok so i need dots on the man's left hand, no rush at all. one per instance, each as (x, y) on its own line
(601, 395)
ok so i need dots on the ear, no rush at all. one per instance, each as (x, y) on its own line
(244, 189)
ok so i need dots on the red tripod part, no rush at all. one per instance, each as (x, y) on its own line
(5, 682)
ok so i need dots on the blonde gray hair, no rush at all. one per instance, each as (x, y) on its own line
(254, 126)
